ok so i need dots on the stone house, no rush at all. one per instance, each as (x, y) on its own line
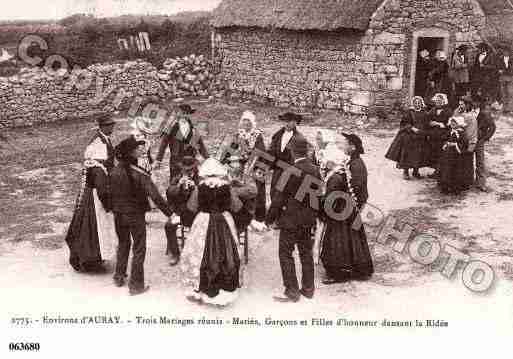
(353, 55)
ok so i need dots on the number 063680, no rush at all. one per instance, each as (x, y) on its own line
(24, 347)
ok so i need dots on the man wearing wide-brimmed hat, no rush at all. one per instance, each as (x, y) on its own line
(180, 136)
(178, 193)
(460, 74)
(505, 65)
(439, 75)
(131, 187)
(424, 66)
(295, 220)
(484, 74)
(101, 141)
(281, 142)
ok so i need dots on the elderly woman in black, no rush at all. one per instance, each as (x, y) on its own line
(437, 129)
(345, 252)
(408, 149)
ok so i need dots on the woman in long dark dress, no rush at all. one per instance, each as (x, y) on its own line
(210, 259)
(437, 130)
(345, 252)
(92, 224)
(455, 173)
(408, 149)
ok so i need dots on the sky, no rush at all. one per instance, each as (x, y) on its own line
(57, 9)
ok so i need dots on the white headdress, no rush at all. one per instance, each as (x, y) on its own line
(334, 154)
(459, 120)
(328, 136)
(250, 116)
(97, 150)
(441, 96)
(212, 168)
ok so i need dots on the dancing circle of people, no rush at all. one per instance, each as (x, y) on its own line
(216, 198)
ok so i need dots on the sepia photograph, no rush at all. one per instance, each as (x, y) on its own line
(239, 177)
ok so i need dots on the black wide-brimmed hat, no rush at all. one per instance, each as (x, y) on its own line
(462, 48)
(104, 119)
(187, 109)
(126, 146)
(483, 46)
(290, 116)
(355, 141)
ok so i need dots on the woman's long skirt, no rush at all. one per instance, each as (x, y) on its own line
(90, 226)
(210, 261)
(408, 150)
(345, 251)
(456, 171)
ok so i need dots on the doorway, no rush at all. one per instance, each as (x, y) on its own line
(428, 39)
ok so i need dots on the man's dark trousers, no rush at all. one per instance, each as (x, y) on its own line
(172, 241)
(133, 224)
(289, 238)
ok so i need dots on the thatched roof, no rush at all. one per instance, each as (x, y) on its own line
(326, 15)
(496, 7)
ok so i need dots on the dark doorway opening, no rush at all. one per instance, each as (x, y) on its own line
(431, 44)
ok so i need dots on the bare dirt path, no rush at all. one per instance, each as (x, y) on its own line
(38, 186)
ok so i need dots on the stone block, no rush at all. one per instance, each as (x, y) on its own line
(363, 99)
(389, 38)
(395, 83)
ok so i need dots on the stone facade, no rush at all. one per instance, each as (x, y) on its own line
(351, 71)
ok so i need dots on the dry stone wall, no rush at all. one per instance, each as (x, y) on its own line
(37, 96)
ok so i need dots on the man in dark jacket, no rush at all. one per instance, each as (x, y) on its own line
(131, 187)
(505, 65)
(424, 67)
(281, 143)
(178, 193)
(486, 129)
(485, 75)
(296, 217)
(181, 136)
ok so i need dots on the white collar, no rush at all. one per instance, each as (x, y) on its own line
(299, 159)
(104, 135)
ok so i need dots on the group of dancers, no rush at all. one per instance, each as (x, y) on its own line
(219, 196)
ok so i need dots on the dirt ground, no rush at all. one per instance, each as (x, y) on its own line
(39, 182)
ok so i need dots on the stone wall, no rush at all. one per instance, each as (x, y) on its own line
(397, 20)
(351, 71)
(37, 96)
